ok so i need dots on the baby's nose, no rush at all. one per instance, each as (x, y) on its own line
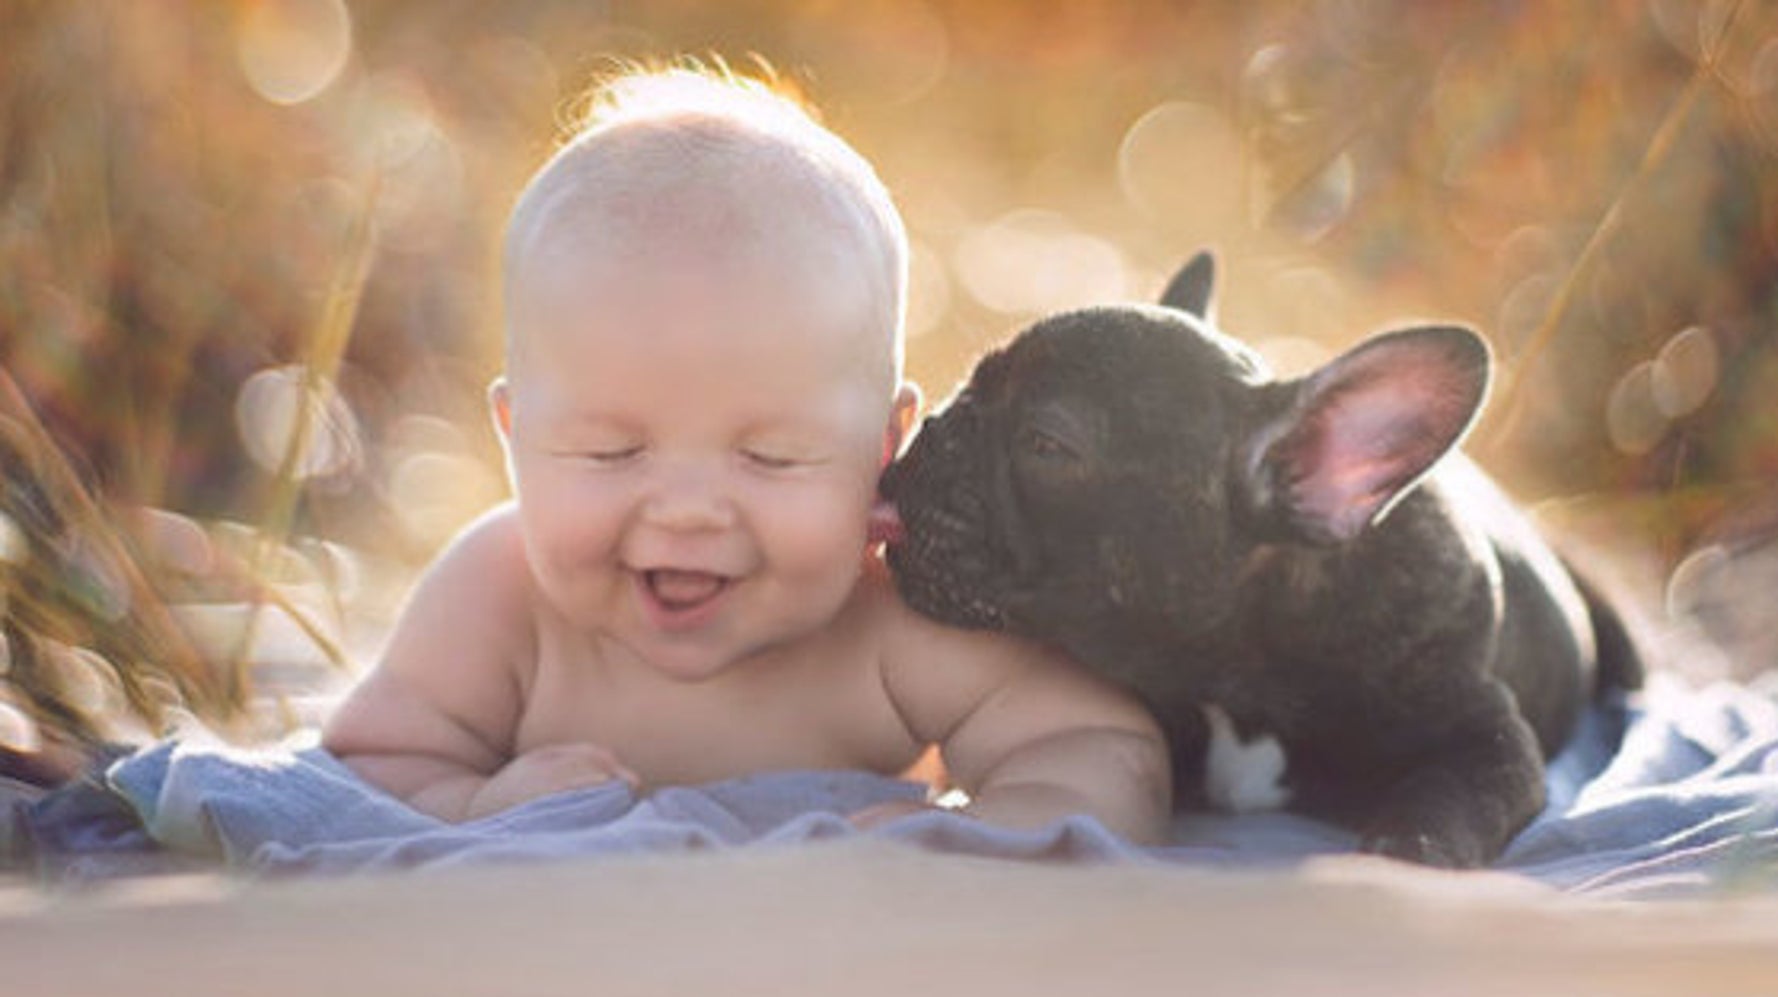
(689, 498)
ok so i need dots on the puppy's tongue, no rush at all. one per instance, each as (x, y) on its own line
(885, 525)
(683, 588)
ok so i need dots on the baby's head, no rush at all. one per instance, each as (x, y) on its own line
(692, 170)
(703, 306)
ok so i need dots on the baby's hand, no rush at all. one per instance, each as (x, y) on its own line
(550, 769)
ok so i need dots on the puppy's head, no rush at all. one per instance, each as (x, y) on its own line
(1106, 476)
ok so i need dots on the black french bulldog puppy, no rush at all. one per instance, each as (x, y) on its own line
(1326, 608)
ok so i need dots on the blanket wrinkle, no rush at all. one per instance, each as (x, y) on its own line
(1676, 795)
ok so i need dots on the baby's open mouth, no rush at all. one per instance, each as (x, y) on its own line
(679, 590)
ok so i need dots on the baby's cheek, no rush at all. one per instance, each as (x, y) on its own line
(821, 532)
(569, 526)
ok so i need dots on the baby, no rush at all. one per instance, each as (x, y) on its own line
(703, 300)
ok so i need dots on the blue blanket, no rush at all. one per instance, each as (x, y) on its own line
(1675, 796)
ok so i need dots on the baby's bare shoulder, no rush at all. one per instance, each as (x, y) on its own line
(941, 675)
(479, 591)
(493, 543)
(937, 673)
(452, 674)
(915, 644)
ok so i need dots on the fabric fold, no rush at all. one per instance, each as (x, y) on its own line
(1672, 797)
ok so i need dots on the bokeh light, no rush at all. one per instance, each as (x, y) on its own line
(291, 50)
(1312, 209)
(393, 112)
(17, 732)
(1179, 164)
(13, 543)
(1685, 372)
(89, 681)
(294, 421)
(1632, 416)
(419, 169)
(1524, 307)
(436, 482)
(1726, 591)
(1031, 261)
(929, 290)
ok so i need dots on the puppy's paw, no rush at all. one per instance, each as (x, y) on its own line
(1460, 811)
(1418, 847)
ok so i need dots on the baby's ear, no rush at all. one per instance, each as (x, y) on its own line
(1357, 434)
(902, 413)
(500, 407)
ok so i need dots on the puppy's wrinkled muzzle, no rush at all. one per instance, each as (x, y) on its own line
(938, 550)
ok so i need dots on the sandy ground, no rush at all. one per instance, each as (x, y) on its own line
(867, 917)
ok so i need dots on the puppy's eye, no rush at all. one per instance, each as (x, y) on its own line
(1047, 446)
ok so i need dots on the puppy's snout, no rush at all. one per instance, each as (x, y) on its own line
(889, 482)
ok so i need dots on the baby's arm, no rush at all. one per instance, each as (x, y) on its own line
(433, 723)
(1030, 735)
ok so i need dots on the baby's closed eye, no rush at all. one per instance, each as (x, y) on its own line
(781, 454)
(600, 443)
(607, 455)
(776, 460)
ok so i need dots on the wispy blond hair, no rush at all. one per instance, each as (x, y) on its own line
(644, 133)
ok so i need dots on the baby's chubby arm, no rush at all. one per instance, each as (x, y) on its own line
(433, 723)
(1028, 734)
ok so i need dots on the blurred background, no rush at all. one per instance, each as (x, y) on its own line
(247, 256)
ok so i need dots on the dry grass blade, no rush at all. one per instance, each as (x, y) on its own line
(1509, 405)
(82, 618)
(323, 352)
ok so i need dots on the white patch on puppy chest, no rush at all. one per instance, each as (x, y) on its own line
(1242, 776)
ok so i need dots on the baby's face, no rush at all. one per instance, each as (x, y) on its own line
(694, 439)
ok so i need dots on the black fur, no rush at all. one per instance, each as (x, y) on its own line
(1134, 487)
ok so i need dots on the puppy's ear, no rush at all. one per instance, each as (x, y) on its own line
(1356, 434)
(1193, 287)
